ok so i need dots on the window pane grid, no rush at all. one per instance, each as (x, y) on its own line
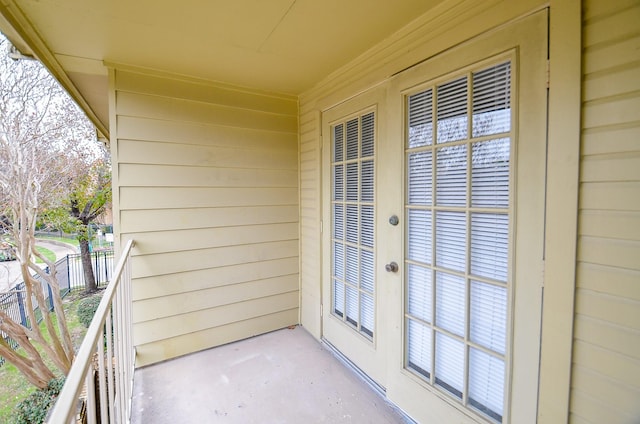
(458, 200)
(353, 232)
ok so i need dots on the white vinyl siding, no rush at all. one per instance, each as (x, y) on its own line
(458, 235)
(605, 379)
(352, 251)
(207, 186)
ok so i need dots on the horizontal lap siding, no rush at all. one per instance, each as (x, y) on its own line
(606, 358)
(310, 267)
(207, 186)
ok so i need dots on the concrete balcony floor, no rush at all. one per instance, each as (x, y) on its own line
(281, 377)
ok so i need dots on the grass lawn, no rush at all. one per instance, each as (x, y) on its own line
(13, 386)
(46, 253)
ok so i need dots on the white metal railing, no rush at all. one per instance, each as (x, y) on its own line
(106, 356)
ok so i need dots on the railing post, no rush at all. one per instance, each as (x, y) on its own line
(51, 307)
(68, 273)
(23, 314)
(106, 268)
(97, 269)
(108, 320)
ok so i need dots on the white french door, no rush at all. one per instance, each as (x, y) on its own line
(433, 235)
(352, 296)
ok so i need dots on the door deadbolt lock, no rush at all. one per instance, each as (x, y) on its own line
(391, 267)
(393, 220)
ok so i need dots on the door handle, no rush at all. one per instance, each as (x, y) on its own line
(391, 267)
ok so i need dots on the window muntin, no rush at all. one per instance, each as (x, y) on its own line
(457, 235)
(353, 218)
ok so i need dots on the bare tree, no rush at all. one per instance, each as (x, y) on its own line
(41, 151)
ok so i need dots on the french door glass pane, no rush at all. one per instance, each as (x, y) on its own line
(352, 139)
(366, 271)
(451, 180)
(420, 119)
(338, 298)
(461, 237)
(366, 226)
(338, 143)
(451, 240)
(488, 323)
(419, 244)
(490, 173)
(352, 223)
(452, 110)
(419, 288)
(352, 265)
(368, 129)
(492, 100)
(352, 182)
(338, 180)
(338, 260)
(486, 383)
(366, 314)
(352, 305)
(366, 181)
(353, 220)
(338, 221)
(449, 364)
(419, 341)
(450, 303)
(420, 170)
(489, 245)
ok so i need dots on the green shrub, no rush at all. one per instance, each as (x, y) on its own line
(33, 410)
(87, 309)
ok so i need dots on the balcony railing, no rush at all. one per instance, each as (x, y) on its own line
(101, 377)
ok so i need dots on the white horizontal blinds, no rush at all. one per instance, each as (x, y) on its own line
(353, 183)
(451, 107)
(492, 100)
(458, 223)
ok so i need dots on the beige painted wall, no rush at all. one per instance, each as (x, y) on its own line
(206, 183)
(606, 356)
